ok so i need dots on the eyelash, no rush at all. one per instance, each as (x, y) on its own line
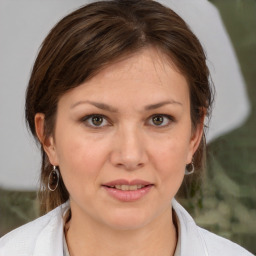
(87, 118)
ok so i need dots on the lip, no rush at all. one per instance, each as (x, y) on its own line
(127, 182)
(127, 195)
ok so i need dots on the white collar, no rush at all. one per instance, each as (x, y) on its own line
(190, 238)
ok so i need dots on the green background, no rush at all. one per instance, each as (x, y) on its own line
(226, 204)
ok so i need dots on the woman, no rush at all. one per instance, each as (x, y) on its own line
(117, 99)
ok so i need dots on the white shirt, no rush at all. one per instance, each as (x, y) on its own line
(44, 237)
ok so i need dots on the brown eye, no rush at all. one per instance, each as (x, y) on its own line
(161, 120)
(97, 120)
(158, 120)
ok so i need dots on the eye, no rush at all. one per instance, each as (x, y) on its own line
(95, 121)
(161, 120)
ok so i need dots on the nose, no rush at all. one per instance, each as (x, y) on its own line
(129, 149)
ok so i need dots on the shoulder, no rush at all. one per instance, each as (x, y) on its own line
(220, 246)
(198, 241)
(23, 240)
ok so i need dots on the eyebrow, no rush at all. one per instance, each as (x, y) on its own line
(160, 104)
(109, 108)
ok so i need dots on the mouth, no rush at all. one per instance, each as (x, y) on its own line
(128, 191)
(124, 187)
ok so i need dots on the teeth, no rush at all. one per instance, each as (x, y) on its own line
(128, 187)
(124, 187)
(134, 187)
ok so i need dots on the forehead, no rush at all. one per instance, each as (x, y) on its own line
(148, 61)
(146, 76)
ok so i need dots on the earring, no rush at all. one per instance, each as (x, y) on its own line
(53, 179)
(190, 168)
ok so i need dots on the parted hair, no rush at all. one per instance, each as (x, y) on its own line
(96, 35)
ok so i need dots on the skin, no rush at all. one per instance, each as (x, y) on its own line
(129, 145)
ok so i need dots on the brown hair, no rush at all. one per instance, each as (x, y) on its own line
(96, 35)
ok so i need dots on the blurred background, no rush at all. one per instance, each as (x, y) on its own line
(230, 190)
(226, 202)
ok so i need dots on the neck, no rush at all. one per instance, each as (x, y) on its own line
(89, 238)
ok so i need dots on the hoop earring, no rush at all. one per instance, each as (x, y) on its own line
(53, 179)
(190, 168)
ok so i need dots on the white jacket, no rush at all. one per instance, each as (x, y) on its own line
(44, 237)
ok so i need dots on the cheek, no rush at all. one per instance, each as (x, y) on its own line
(170, 161)
(81, 156)
(80, 159)
(172, 151)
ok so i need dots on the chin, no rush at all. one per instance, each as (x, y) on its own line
(129, 219)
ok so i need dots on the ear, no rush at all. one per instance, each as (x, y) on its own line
(46, 142)
(196, 137)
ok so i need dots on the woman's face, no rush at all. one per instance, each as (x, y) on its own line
(122, 141)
